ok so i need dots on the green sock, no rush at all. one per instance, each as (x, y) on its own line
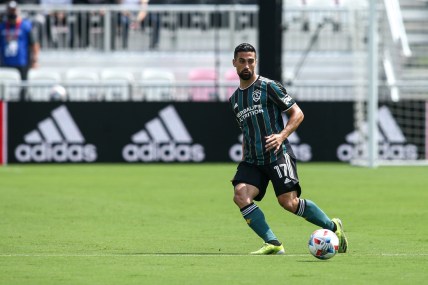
(312, 213)
(257, 222)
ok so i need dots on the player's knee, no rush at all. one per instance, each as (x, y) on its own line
(241, 196)
(289, 204)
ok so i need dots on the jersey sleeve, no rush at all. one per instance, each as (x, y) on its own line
(231, 101)
(279, 96)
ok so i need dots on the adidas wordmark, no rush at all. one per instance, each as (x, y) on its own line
(164, 138)
(392, 142)
(56, 139)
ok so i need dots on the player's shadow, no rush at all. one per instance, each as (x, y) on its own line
(311, 261)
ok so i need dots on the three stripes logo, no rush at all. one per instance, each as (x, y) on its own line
(56, 139)
(164, 138)
(392, 142)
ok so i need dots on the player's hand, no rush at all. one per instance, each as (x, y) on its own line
(274, 142)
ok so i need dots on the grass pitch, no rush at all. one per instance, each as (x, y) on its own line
(177, 224)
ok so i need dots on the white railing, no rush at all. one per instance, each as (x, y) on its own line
(166, 27)
(204, 91)
(183, 27)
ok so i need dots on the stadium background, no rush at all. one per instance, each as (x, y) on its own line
(113, 78)
(69, 218)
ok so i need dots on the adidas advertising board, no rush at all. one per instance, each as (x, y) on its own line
(182, 132)
(56, 138)
(393, 144)
(127, 132)
(163, 138)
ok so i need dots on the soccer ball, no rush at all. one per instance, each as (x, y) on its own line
(323, 244)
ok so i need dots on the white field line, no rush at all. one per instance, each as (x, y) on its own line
(138, 255)
(189, 255)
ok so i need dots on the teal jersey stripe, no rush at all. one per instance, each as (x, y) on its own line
(258, 137)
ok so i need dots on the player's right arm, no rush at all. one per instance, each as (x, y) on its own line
(295, 118)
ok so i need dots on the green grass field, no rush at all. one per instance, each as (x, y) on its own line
(177, 224)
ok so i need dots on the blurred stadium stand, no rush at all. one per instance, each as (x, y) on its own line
(122, 81)
(157, 84)
(324, 48)
(203, 93)
(41, 81)
(9, 83)
(415, 16)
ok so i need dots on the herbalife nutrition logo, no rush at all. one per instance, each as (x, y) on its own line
(164, 138)
(56, 139)
(392, 142)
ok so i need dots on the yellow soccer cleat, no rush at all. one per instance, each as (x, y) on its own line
(268, 248)
(343, 241)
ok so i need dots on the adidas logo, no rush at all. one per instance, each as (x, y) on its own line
(287, 180)
(392, 142)
(56, 139)
(164, 138)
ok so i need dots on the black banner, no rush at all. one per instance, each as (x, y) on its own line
(138, 132)
(120, 132)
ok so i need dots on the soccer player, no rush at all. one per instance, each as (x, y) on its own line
(267, 154)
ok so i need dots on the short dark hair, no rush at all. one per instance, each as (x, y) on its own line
(244, 47)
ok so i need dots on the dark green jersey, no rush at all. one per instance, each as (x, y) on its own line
(258, 110)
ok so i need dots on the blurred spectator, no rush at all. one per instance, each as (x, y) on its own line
(18, 43)
(83, 24)
(151, 20)
(144, 19)
(37, 18)
(58, 29)
(123, 20)
(90, 21)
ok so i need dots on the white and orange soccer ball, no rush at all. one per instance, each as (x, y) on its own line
(323, 244)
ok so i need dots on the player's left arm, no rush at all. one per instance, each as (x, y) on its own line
(279, 96)
(295, 118)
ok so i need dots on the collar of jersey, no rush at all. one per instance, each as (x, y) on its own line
(250, 84)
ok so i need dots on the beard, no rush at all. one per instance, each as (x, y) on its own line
(245, 74)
